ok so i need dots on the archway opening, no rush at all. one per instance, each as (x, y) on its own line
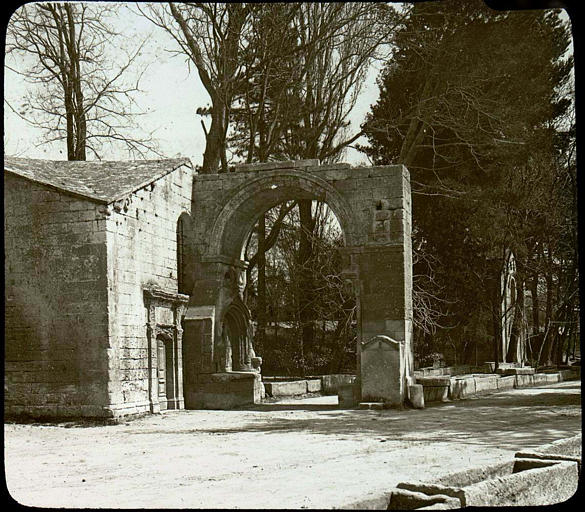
(304, 312)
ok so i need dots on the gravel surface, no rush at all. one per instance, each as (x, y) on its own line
(293, 453)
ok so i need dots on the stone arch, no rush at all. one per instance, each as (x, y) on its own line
(253, 198)
(372, 206)
(236, 335)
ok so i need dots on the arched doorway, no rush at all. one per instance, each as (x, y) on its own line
(237, 337)
(372, 205)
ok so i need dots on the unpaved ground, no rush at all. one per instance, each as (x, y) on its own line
(291, 454)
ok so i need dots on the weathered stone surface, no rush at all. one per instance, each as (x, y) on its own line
(331, 383)
(416, 396)
(487, 384)
(382, 370)
(435, 389)
(83, 239)
(430, 489)
(295, 387)
(539, 479)
(477, 474)
(523, 381)
(348, 395)
(569, 446)
(226, 390)
(490, 366)
(313, 385)
(549, 457)
(436, 393)
(462, 388)
(525, 370)
(402, 499)
(507, 382)
(373, 207)
(548, 484)
(101, 180)
(434, 381)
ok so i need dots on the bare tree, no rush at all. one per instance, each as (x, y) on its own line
(337, 43)
(209, 35)
(80, 93)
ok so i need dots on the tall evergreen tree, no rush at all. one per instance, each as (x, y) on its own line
(471, 103)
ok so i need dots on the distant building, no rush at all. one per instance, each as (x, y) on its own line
(91, 286)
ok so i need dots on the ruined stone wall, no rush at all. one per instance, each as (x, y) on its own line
(56, 327)
(142, 250)
(373, 206)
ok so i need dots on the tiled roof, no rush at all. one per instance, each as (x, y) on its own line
(101, 181)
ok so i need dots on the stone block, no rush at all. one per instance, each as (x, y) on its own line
(525, 370)
(523, 381)
(224, 390)
(416, 396)
(533, 483)
(382, 370)
(290, 388)
(430, 489)
(539, 379)
(505, 383)
(549, 457)
(436, 393)
(434, 381)
(461, 388)
(313, 385)
(348, 395)
(402, 499)
(487, 384)
(331, 383)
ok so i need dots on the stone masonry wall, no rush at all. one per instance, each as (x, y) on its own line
(142, 250)
(373, 206)
(56, 327)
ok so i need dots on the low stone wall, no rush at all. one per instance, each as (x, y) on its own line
(292, 387)
(435, 389)
(440, 389)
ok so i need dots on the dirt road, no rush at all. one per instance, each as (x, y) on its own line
(291, 454)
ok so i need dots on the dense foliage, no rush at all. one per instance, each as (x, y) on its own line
(476, 104)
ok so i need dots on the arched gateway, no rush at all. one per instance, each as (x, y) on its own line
(373, 207)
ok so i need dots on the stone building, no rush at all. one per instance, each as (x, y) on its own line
(91, 286)
(124, 281)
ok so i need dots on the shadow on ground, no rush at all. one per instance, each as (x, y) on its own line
(504, 420)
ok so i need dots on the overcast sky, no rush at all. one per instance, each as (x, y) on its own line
(170, 98)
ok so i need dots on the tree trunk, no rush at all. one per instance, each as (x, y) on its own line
(536, 337)
(306, 313)
(261, 297)
(516, 331)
